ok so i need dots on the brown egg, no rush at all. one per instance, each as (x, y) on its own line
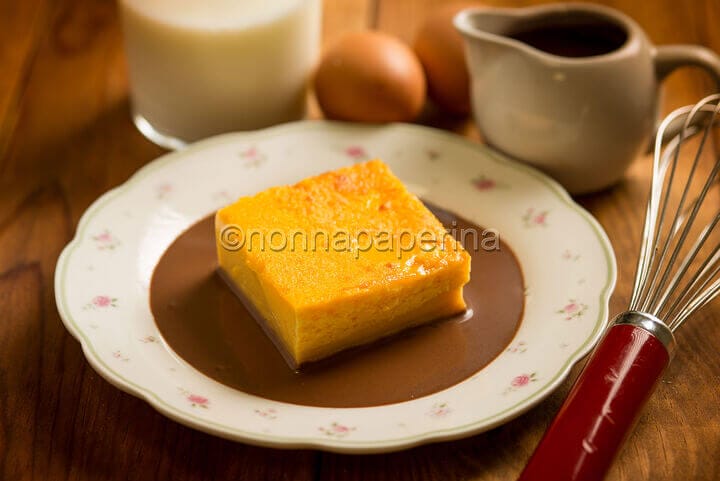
(440, 50)
(370, 77)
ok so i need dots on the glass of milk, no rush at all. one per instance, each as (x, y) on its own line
(204, 67)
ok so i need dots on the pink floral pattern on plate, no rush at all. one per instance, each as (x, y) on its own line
(357, 153)
(484, 183)
(267, 413)
(195, 400)
(222, 196)
(120, 356)
(252, 157)
(163, 190)
(572, 310)
(105, 241)
(336, 430)
(101, 302)
(520, 381)
(517, 348)
(569, 255)
(439, 410)
(432, 154)
(535, 218)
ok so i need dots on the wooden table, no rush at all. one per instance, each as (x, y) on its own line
(66, 137)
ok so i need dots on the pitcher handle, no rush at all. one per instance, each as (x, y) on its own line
(670, 57)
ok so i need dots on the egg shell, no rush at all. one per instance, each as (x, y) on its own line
(439, 46)
(370, 77)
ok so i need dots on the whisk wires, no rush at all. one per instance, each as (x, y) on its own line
(676, 276)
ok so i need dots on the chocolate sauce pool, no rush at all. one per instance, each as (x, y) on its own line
(205, 323)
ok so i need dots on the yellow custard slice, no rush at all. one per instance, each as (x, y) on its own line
(340, 260)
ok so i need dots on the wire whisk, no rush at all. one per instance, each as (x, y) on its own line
(666, 286)
(678, 272)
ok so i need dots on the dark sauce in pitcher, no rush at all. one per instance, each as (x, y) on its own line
(573, 39)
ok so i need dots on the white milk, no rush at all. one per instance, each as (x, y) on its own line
(202, 67)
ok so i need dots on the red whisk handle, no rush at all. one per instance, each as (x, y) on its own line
(605, 401)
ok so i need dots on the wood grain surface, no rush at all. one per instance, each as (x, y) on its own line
(66, 137)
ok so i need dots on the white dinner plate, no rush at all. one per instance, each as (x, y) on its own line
(103, 276)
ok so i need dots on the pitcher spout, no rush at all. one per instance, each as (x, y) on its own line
(487, 31)
(545, 32)
(488, 24)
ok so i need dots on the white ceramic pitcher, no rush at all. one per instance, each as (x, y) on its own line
(580, 117)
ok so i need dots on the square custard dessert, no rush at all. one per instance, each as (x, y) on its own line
(340, 260)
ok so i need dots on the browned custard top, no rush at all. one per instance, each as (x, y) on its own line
(206, 324)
